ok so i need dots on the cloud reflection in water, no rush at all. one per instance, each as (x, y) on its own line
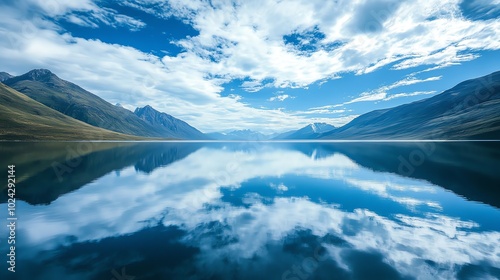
(259, 211)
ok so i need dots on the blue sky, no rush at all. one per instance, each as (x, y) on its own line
(269, 66)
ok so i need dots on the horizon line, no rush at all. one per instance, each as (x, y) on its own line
(254, 141)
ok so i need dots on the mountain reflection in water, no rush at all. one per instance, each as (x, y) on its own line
(255, 210)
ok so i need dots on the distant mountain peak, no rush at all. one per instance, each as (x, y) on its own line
(469, 110)
(241, 134)
(319, 127)
(310, 131)
(4, 76)
(146, 109)
(44, 76)
(39, 75)
(314, 126)
(41, 71)
(243, 130)
(35, 73)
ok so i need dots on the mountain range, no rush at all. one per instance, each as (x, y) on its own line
(239, 135)
(22, 118)
(470, 110)
(40, 105)
(4, 76)
(170, 125)
(69, 99)
(311, 131)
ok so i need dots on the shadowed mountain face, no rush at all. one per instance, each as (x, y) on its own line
(54, 169)
(470, 110)
(71, 100)
(4, 76)
(23, 118)
(178, 128)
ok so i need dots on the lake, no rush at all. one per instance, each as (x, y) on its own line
(248, 210)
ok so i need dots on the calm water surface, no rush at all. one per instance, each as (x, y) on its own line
(254, 210)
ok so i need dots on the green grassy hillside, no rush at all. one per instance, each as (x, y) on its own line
(72, 100)
(22, 118)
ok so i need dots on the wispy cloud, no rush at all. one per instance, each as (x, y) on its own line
(246, 43)
(381, 93)
(297, 51)
(484, 8)
(329, 110)
(409, 80)
(416, 93)
(86, 13)
(443, 58)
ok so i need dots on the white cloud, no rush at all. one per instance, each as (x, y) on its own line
(85, 13)
(416, 93)
(326, 110)
(412, 32)
(253, 86)
(485, 7)
(281, 97)
(410, 80)
(120, 74)
(60, 7)
(337, 121)
(247, 40)
(381, 93)
(368, 97)
(235, 97)
(279, 188)
(449, 56)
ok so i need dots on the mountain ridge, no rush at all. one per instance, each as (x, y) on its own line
(310, 131)
(159, 119)
(239, 135)
(469, 110)
(23, 118)
(70, 99)
(4, 76)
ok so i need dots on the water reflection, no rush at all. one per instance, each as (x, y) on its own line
(257, 211)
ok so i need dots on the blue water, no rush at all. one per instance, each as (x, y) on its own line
(254, 210)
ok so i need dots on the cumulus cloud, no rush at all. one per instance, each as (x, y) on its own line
(266, 39)
(176, 85)
(281, 97)
(282, 44)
